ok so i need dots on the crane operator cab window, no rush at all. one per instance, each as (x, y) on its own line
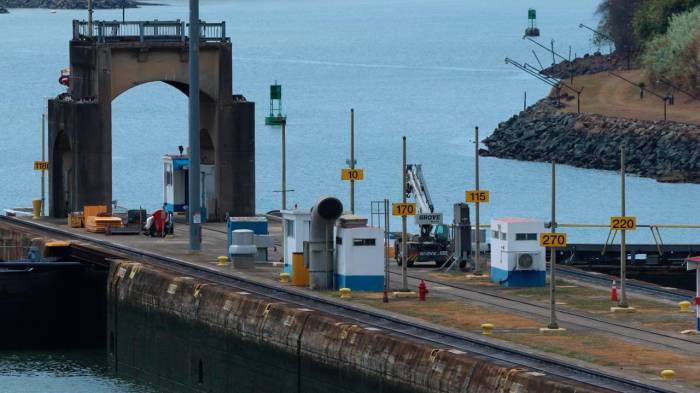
(441, 232)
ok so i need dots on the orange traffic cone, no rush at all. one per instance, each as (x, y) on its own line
(613, 292)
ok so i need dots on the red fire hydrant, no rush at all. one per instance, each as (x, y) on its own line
(422, 291)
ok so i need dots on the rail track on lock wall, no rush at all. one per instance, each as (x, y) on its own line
(635, 285)
(525, 307)
(439, 337)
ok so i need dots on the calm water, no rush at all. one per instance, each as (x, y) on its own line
(430, 70)
(74, 372)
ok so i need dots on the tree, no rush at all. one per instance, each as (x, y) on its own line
(616, 22)
(652, 18)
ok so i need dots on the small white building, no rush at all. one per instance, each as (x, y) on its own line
(175, 182)
(359, 255)
(517, 260)
(296, 226)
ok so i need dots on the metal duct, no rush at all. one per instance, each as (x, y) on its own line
(320, 247)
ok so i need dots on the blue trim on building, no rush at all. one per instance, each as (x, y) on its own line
(180, 163)
(175, 208)
(518, 278)
(360, 283)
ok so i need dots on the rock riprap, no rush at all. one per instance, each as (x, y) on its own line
(70, 4)
(664, 150)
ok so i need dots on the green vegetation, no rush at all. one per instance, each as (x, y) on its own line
(663, 34)
(675, 55)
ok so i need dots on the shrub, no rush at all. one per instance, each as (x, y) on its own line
(675, 55)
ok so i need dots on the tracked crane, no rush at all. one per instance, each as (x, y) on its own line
(429, 245)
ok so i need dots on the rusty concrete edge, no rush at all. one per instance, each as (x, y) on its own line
(327, 339)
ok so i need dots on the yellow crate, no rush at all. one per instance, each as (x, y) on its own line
(75, 220)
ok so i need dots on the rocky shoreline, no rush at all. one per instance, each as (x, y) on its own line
(3, 10)
(588, 64)
(70, 4)
(665, 151)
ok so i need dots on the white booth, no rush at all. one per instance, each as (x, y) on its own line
(296, 226)
(517, 260)
(176, 184)
(359, 255)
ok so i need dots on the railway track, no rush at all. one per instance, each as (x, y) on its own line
(424, 332)
(637, 286)
(520, 306)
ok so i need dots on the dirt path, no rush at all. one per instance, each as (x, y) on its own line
(608, 95)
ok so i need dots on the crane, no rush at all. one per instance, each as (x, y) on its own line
(429, 245)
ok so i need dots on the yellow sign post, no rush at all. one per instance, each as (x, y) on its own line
(477, 196)
(553, 240)
(352, 174)
(403, 209)
(41, 165)
(623, 223)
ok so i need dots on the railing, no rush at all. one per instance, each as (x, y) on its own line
(142, 31)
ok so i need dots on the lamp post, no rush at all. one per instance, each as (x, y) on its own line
(194, 209)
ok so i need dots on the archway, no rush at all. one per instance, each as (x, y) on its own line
(101, 71)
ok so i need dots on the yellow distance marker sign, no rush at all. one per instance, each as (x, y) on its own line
(477, 196)
(352, 174)
(41, 165)
(553, 240)
(403, 209)
(628, 223)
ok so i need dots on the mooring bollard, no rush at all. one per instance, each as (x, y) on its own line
(222, 261)
(344, 293)
(684, 306)
(486, 329)
(284, 278)
(668, 375)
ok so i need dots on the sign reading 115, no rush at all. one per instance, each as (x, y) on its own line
(477, 196)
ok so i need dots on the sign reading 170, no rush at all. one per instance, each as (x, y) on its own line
(403, 209)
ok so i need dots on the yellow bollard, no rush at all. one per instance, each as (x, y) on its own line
(222, 261)
(684, 306)
(344, 293)
(284, 278)
(36, 208)
(668, 375)
(486, 329)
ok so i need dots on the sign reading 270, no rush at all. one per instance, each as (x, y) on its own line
(553, 240)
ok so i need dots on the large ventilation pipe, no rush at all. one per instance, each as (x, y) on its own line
(321, 241)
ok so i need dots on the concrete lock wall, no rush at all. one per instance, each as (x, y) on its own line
(189, 334)
(80, 127)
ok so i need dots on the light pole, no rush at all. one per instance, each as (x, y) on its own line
(194, 209)
(404, 258)
(623, 251)
(477, 228)
(553, 257)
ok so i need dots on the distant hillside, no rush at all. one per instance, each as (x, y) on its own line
(69, 4)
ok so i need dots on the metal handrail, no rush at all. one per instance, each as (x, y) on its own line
(142, 31)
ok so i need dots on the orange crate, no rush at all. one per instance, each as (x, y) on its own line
(93, 210)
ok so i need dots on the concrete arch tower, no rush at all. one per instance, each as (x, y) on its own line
(109, 58)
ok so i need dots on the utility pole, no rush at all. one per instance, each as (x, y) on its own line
(477, 228)
(525, 101)
(194, 209)
(553, 257)
(284, 164)
(43, 158)
(404, 259)
(623, 252)
(89, 18)
(385, 298)
(352, 159)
